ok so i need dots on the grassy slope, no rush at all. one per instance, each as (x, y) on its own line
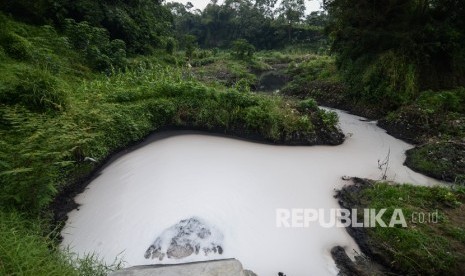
(428, 248)
(55, 112)
(435, 120)
(65, 112)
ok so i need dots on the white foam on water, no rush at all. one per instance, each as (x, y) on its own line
(236, 186)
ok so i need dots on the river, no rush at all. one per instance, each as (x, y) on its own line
(235, 187)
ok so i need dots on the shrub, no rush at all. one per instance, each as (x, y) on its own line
(329, 118)
(163, 111)
(170, 45)
(190, 43)
(36, 89)
(117, 53)
(15, 46)
(259, 119)
(232, 99)
(95, 44)
(388, 80)
(2, 53)
(308, 105)
(443, 101)
(243, 85)
(242, 49)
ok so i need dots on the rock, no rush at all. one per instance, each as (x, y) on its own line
(229, 267)
(343, 262)
(249, 273)
(185, 238)
(180, 251)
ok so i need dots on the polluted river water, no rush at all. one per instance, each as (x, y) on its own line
(234, 188)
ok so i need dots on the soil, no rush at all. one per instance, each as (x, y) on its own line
(271, 81)
(445, 160)
(333, 94)
(409, 125)
(372, 261)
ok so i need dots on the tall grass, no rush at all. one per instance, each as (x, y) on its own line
(421, 248)
(26, 249)
(55, 112)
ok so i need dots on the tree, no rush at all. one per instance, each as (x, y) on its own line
(141, 24)
(317, 18)
(392, 50)
(265, 7)
(292, 11)
(243, 49)
(190, 42)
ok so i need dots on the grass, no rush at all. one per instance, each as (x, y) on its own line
(317, 77)
(52, 117)
(41, 149)
(25, 251)
(435, 247)
(438, 115)
(27, 248)
(441, 160)
(55, 111)
(224, 68)
(436, 121)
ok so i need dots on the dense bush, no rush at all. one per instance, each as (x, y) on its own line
(36, 89)
(389, 51)
(443, 101)
(15, 45)
(242, 49)
(308, 105)
(171, 45)
(388, 81)
(140, 24)
(101, 52)
(190, 44)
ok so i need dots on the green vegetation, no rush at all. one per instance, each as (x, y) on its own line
(433, 115)
(266, 28)
(441, 160)
(242, 49)
(111, 112)
(310, 74)
(95, 45)
(75, 93)
(390, 51)
(143, 25)
(69, 120)
(87, 78)
(430, 244)
(436, 120)
(27, 248)
(25, 251)
(400, 62)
